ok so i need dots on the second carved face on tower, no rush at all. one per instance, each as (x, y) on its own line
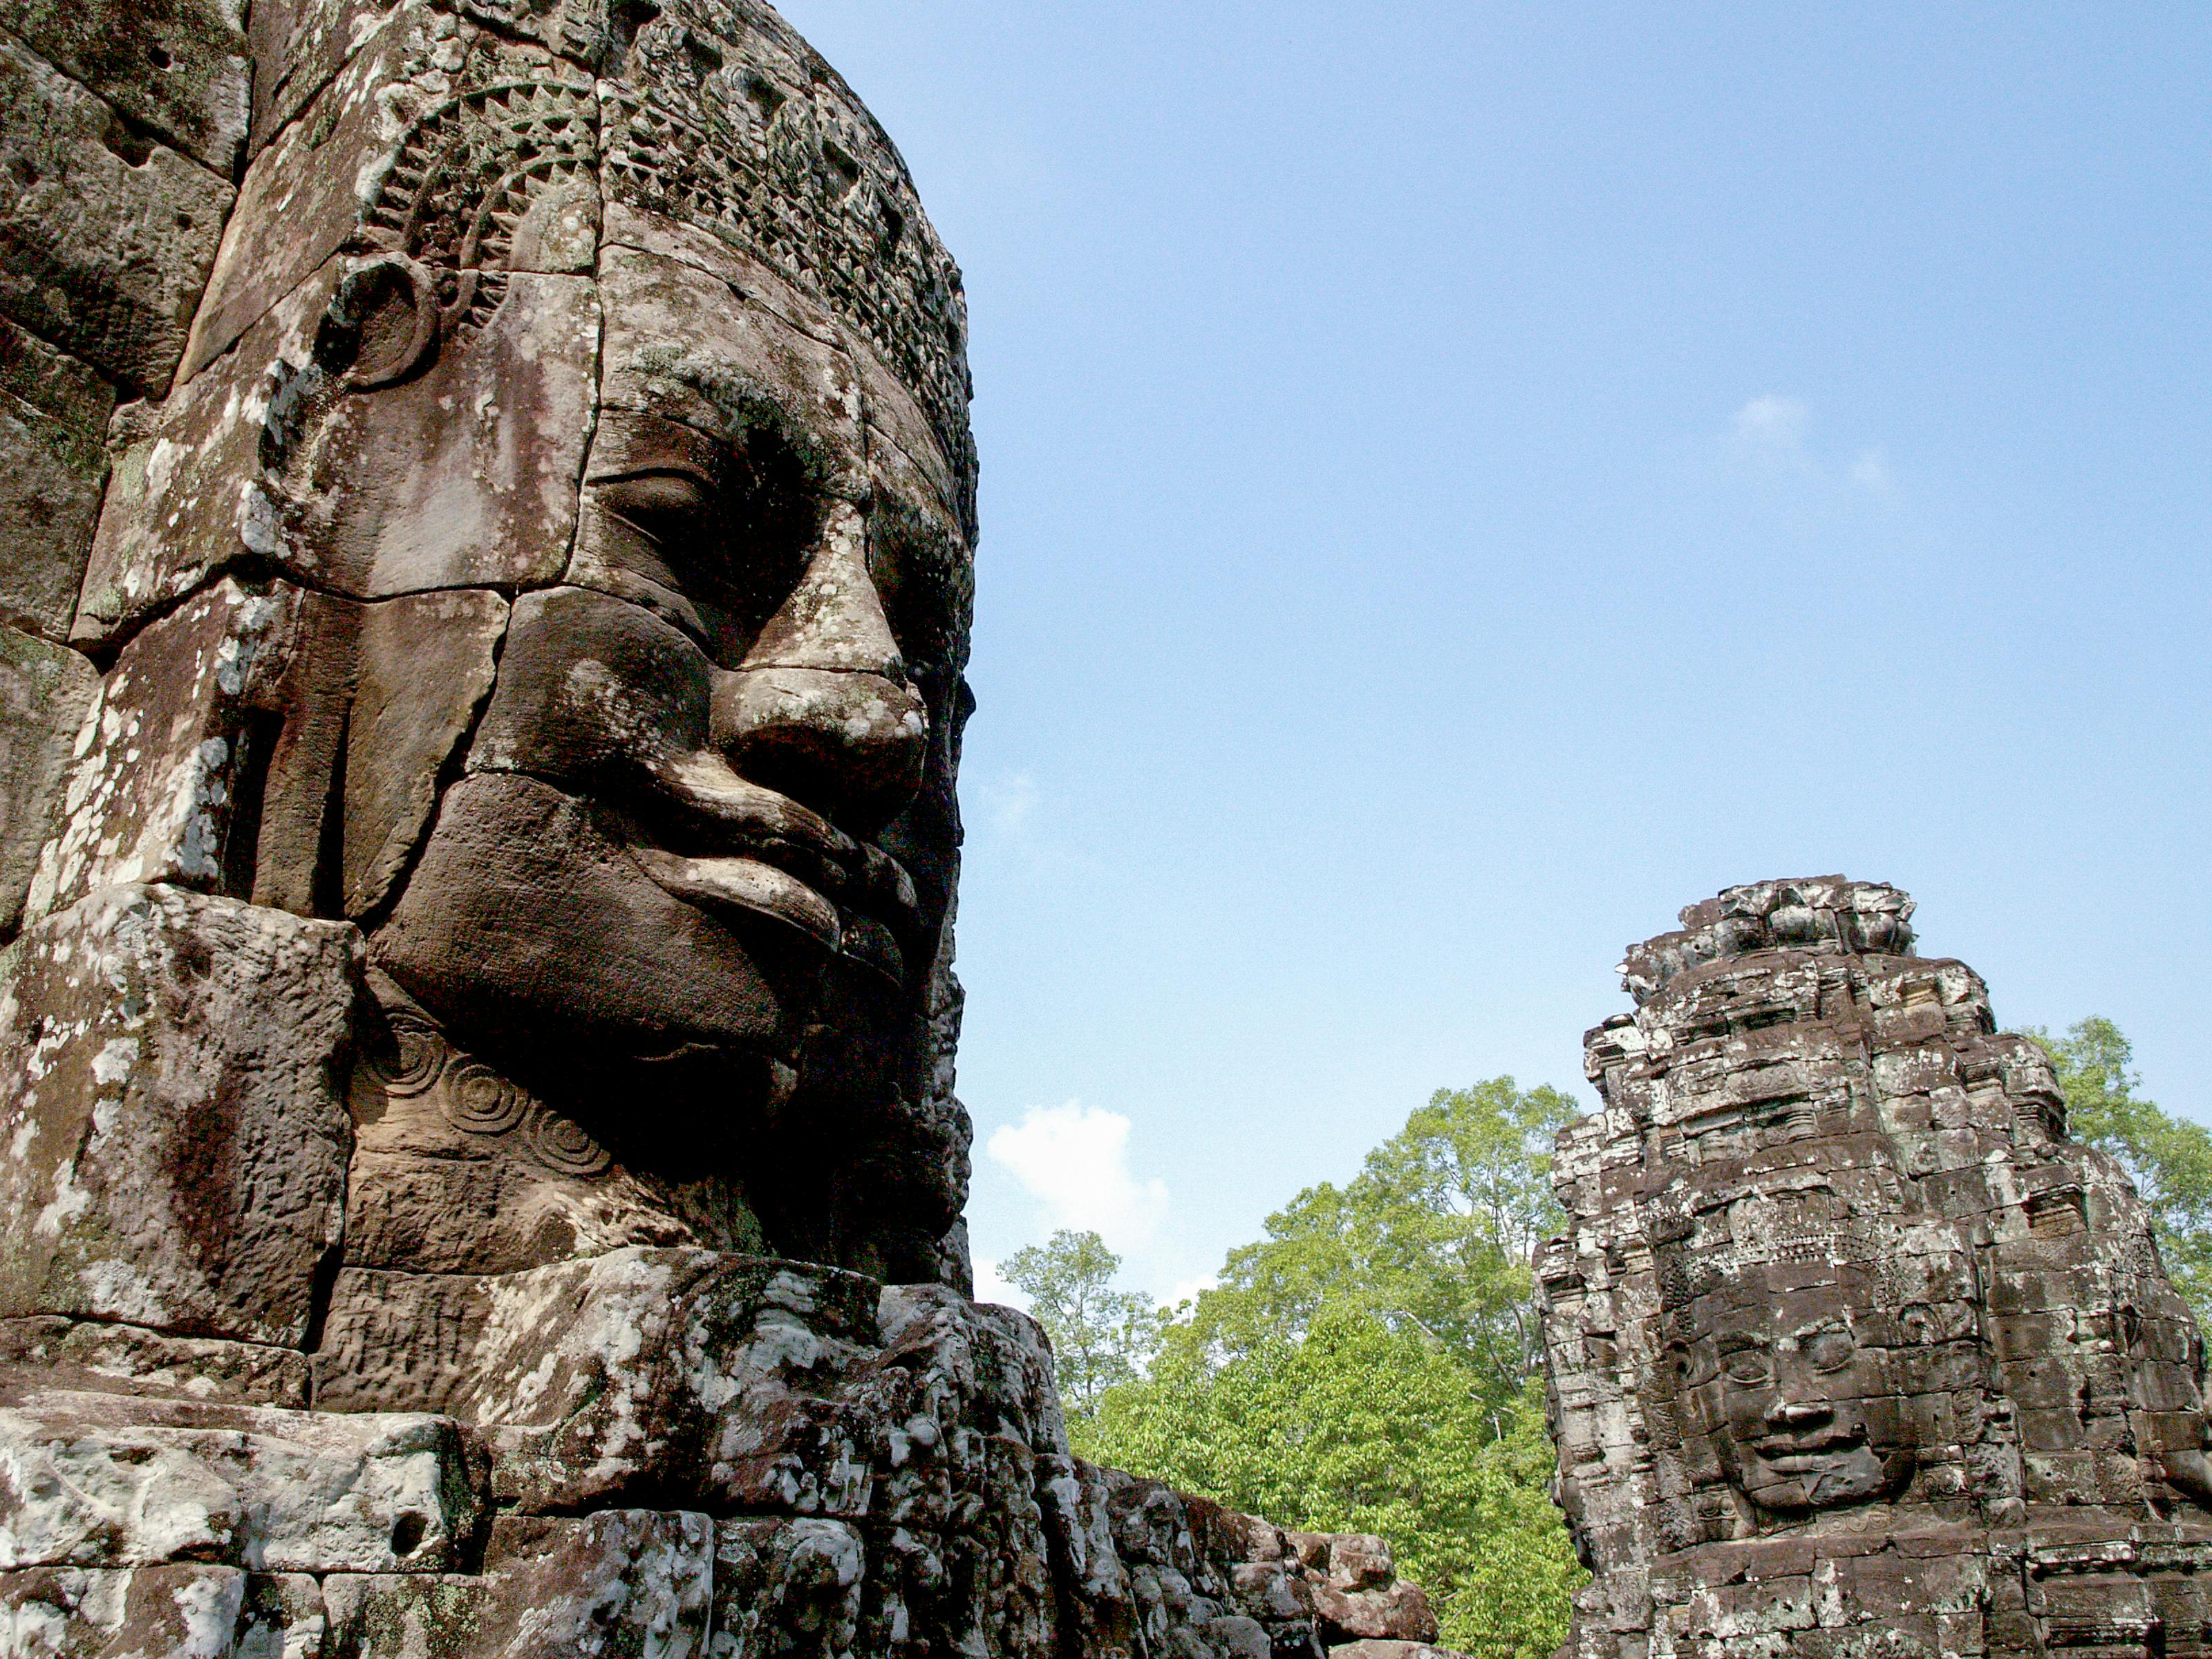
(717, 765)
(1800, 1401)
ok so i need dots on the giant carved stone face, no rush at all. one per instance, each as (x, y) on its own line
(1815, 1371)
(603, 531)
(709, 798)
(1804, 1415)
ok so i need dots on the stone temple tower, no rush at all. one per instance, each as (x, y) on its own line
(1850, 1349)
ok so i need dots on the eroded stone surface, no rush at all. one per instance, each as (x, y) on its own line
(423, 669)
(106, 237)
(623, 1581)
(74, 1613)
(45, 690)
(172, 751)
(178, 67)
(281, 744)
(105, 1481)
(176, 1136)
(52, 410)
(187, 497)
(1849, 1348)
(52, 1352)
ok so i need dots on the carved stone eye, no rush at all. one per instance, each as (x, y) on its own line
(1828, 1350)
(1747, 1367)
(658, 503)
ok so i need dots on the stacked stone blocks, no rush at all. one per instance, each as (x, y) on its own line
(1849, 1348)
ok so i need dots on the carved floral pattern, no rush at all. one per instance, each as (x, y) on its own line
(417, 1061)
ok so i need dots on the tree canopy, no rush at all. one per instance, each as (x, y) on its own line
(1433, 1235)
(1101, 1337)
(1369, 1366)
(2168, 1159)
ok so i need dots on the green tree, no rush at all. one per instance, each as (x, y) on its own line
(2168, 1159)
(1369, 1366)
(1101, 1336)
(1355, 1426)
(1435, 1233)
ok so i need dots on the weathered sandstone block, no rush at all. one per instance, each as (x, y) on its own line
(176, 1135)
(281, 745)
(45, 690)
(99, 1479)
(173, 753)
(46, 1352)
(623, 1581)
(53, 414)
(105, 236)
(185, 1612)
(178, 67)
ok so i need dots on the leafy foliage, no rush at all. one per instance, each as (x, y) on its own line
(1356, 1427)
(1100, 1336)
(1435, 1234)
(1368, 1367)
(2169, 1158)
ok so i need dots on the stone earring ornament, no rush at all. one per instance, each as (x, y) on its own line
(383, 323)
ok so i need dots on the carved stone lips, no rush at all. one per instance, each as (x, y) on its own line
(766, 854)
(1796, 1454)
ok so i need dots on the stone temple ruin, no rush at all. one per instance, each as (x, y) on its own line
(486, 525)
(487, 513)
(1852, 1353)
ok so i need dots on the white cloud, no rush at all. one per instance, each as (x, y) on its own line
(1771, 433)
(1870, 472)
(1074, 1161)
(1007, 804)
(1773, 425)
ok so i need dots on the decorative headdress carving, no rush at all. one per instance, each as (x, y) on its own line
(498, 179)
(719, 116)
(711, 113)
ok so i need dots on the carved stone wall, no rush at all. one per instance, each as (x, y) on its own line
(1850, 1349)
(486, 518)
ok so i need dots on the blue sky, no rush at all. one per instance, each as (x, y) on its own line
(1461, 483)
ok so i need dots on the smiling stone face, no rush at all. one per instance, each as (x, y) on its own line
(724, 737)
(1805, 1415)
(1818, 1359)
(556, 559)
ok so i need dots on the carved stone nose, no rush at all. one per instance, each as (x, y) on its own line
(822, 709)
(1796, 1414)
(850, 746)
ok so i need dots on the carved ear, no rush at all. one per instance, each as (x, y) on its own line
(382, 324)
